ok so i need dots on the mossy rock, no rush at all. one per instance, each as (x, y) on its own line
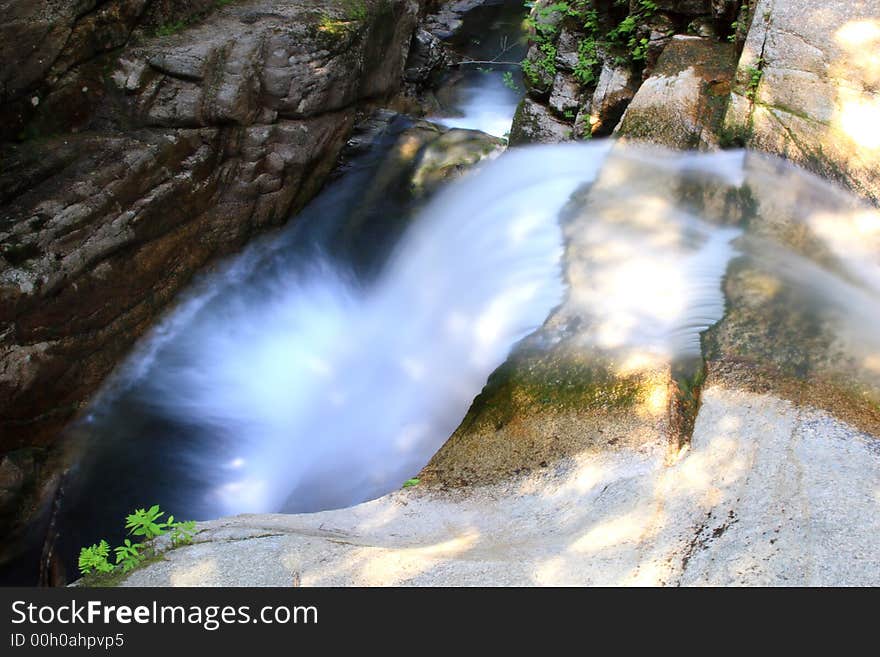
(543, 406)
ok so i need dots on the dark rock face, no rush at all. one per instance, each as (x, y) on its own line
(585, 66)
(43, 45)
(153, 137)
(196, 140)
(681, 105)
(426, 57)
(534, 123)
(686, 7)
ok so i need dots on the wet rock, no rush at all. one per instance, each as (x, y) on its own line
(660, 28)
(230, 124)
(567, 48)
(534, 123)
(426, 57)
(447, 20)
(806, 88)
(686, 7)
(543, 406)
(449, 155)
(615, 89)
(783, 331)
(681, 105)
(577, 385)
(703, 27)
(565, 97)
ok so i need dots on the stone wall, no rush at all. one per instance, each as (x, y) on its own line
(142, 140)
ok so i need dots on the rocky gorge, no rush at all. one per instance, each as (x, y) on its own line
(143, 141)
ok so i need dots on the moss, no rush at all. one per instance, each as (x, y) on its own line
(734, 136)
(116, 577)
(543, 383)
(174, 27)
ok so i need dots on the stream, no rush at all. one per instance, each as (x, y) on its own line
(329, 361)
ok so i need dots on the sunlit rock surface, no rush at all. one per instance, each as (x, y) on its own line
(602, 451)
(681, 105)
(769, 494)
(535, 124)
(807, 88)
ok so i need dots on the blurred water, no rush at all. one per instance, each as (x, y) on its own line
(292, 380)
(476, 96)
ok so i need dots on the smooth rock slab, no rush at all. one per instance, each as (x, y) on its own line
(681, 105)
(769, 493)
(807, 88)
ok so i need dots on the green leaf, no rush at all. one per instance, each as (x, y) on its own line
(95, 558)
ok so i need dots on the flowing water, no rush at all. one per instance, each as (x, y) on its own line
(326, 364)
(483, 95)
(289, 381)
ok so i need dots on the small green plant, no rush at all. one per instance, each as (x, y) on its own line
(170, 28)
(356, 10)
(181, 532)
(754, 75)
(509, 82)
(94, 558)
(734, 29)
(587, 62)
(409, 483)
(545, 64)
(128, 555)
(147, 523)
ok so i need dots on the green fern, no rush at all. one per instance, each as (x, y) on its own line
(129, 555)
(94, 558)
(146, 523)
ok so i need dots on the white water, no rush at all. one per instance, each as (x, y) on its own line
(339, 392)
(310, 389)
(485, 104)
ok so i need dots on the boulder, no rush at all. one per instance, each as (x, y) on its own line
(447, 19)
(448, 156)
(426, 57)
(565, 97)
(681, 105)
(686, 7)
(807, 88)
(616, 87)
(534, 123)
(567, 48)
